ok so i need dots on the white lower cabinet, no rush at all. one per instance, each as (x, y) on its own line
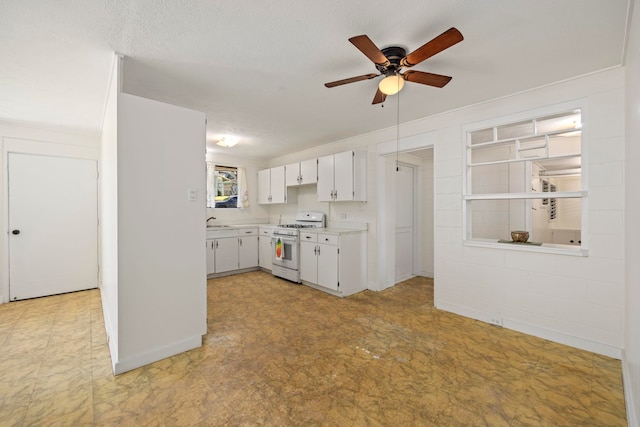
(265, 248)
(319, 264)
(334, 262)
(232, 249)
(248, 252)
(211, 256)
(226, 254)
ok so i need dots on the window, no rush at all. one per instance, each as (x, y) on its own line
(222, 186)
(512, 170)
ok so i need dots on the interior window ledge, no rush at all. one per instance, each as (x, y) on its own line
(548, 248)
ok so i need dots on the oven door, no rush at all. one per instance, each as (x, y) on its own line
(285, 251)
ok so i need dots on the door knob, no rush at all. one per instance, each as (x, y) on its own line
(15, 232)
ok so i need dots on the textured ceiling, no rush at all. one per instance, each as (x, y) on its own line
(257, 68)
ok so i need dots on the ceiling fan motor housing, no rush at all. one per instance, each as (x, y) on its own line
(394, 54)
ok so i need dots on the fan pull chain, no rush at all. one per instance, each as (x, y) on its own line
(398, 129)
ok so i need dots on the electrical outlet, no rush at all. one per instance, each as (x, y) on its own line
(343, 216)
(496, 321)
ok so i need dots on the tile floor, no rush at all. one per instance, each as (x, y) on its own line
(286, 355)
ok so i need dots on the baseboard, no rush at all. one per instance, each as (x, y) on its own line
(111, 342)
(156, 354)
(632, 417)
(548, 334)
(232, 272)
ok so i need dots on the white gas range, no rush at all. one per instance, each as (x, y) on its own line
(286, 244)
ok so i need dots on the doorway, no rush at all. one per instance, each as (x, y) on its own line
(408, 202)
(53, 225)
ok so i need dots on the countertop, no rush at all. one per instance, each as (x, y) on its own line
(331, 230)
(324, 230)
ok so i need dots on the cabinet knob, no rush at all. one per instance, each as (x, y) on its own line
(16, 232)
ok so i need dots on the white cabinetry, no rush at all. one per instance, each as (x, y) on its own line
(319, 261)
(334, 262)
(342, 177)
(264, 247)
(232, 249)
(271, 186)
(226, 254)
(247, 248)
(305, 172)
(211, 256)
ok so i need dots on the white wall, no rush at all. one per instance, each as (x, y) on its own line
(153, 261)
(573, 300)
(16, 138)
(631, 359)
(161, 234)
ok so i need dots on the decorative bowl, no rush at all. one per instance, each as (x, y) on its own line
(520, 236)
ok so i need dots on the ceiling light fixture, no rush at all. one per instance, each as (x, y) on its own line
(391, 85)
(227, 141)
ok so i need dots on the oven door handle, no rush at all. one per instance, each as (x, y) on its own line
(285, 238)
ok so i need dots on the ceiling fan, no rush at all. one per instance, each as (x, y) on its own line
(390, 60)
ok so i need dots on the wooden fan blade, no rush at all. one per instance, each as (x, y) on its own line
(379, 97)
(437, 45)
(370, 50)
(437, 80)
(351, 80)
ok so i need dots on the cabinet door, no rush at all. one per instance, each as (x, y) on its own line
(343, 175)
(308, 262)
(292, 173)
(309, 171)
(264, 248)
(248, 251)
(278, 187)
(264, 186)
(211, 256)
(226, 254)
(328, 266)
(325, 179)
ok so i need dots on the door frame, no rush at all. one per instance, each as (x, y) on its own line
(59, 144)
(385, 267)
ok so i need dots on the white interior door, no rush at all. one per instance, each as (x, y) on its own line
(404, 222)
(53, 225)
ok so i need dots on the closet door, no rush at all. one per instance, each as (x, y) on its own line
(53, 225)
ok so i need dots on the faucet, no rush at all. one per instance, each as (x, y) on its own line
(210, 218)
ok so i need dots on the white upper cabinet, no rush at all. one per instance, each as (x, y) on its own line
(304, 172)
(264, 186)
(325, 179)
(342, 177)
(271, 185)
(292, 174)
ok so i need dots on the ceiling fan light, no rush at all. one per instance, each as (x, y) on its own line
(391, 85)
